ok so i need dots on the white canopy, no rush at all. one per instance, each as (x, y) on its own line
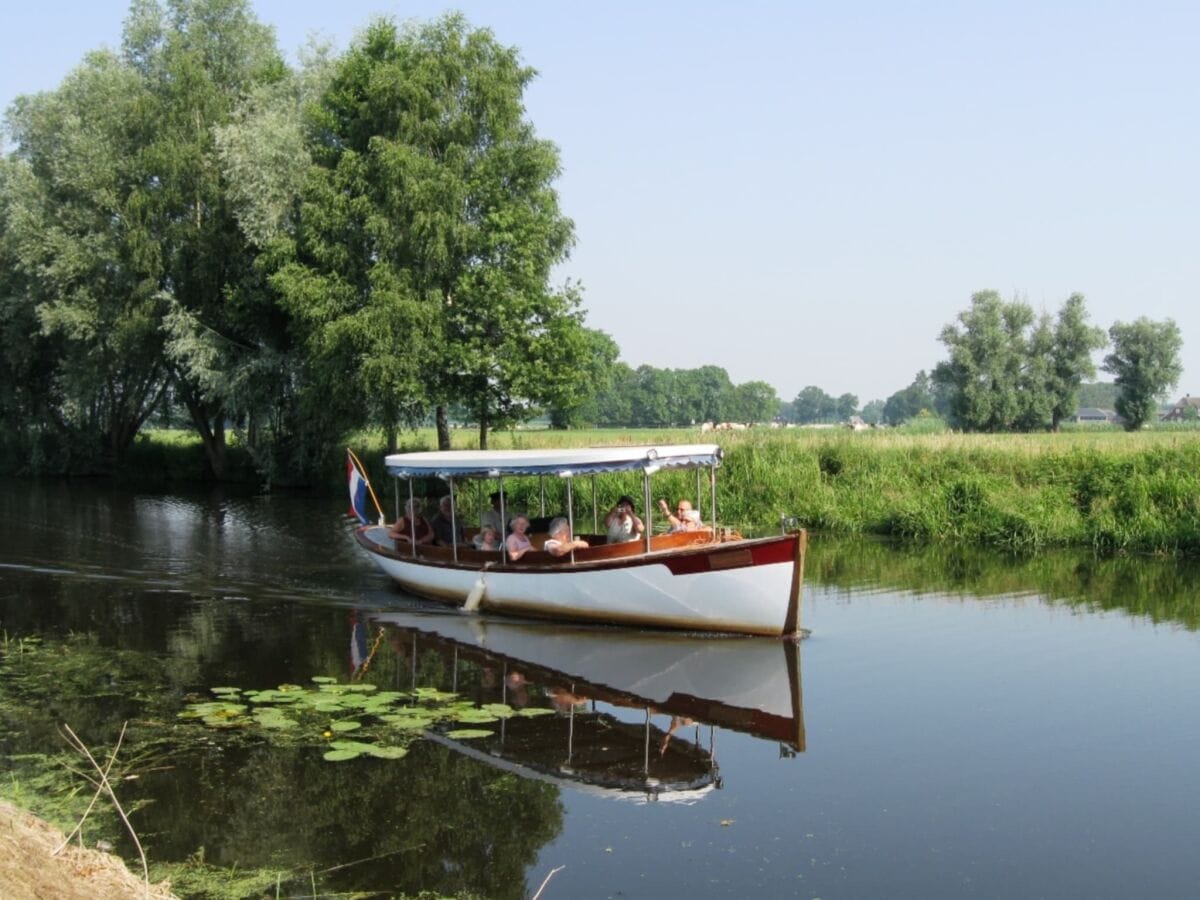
(564, 462)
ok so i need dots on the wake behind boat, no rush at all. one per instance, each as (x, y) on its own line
(706, 579)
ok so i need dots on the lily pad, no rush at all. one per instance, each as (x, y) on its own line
(341, 755)
(531, 711)
(408, 723)
(323, 679)
(500, 710)
(462, 734)
(345, 725)
(389, 752)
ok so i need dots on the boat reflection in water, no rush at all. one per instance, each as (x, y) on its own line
(636, 715)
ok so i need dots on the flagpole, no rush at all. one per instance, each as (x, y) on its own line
(367, 481)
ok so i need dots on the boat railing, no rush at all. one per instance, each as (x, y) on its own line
(471, 557)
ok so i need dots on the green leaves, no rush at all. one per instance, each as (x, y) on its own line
(391, 719)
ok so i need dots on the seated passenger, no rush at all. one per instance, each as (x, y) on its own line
(492, 516)
(684, 519)
(410, 524)
(487, 539)
(518, 543)
(560, 542)
(446, 530)
(622, 524)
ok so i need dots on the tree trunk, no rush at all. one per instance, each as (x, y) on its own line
(210, 424)
(483, 426)
(390, 434)
(443, 428)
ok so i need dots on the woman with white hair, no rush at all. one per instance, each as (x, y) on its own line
(518, 543)
(560, 542)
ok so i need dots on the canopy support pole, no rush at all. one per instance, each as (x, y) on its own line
(412, 523)
(503, 526)
(646, 496)
(453, 522)
(571, 518)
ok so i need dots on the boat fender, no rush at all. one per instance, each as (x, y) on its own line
(475, 597)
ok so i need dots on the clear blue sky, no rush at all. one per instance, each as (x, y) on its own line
(805, 193)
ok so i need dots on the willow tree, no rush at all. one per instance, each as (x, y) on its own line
(1145, 363)
(428, 229)
(197, 60)
(77, 229)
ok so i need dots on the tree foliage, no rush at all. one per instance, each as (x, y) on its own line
(1145, 364)
(1009, 370)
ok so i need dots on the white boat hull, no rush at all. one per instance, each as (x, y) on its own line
(725, 591)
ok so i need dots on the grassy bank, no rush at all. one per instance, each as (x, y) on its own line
(1106, 490)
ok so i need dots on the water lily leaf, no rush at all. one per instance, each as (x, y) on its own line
(363, 687)
(327, 707)
(502, 710)
(226, 690)
(345, 725)
(468, 733)
(429, 693)
(340, 755)
(476, 717)
(531, 711)
(389, 696)
(223, 722)
(408, 723)
(389, 752)
(323, 679)
(273, 720)
(332, 688)
(290, 687)
(360, 746)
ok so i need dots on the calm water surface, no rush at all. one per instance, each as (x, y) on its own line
(955, 725)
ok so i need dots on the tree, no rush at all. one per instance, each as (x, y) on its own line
(987, 357)
(813, 405)
(872, 412)
(1011, 371)
(78, 231)
(196, 60)
(846, 406)
(1074, 343)
(1145, 365)
(431, 214)
(755, 401)
(911, 401)
(581, 409)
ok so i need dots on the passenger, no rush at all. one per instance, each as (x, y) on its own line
(518, 543)
(622, 524)
(492, 516)
(412, 523)
(487, 539)
(560, 542)
(684, 519)
(446, 531)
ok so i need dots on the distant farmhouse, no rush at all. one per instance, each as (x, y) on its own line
(1094, 416)
(1187, 407)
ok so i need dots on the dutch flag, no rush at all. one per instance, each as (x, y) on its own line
(358, 490)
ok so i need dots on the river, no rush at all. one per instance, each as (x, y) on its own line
(956, 723)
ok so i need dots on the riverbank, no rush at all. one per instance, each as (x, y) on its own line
(30, 868)
(1098, 488)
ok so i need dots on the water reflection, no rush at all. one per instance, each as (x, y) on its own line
(1163, 590)
(622, 704)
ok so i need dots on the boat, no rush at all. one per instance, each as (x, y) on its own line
(636, 713)
(710, 579)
